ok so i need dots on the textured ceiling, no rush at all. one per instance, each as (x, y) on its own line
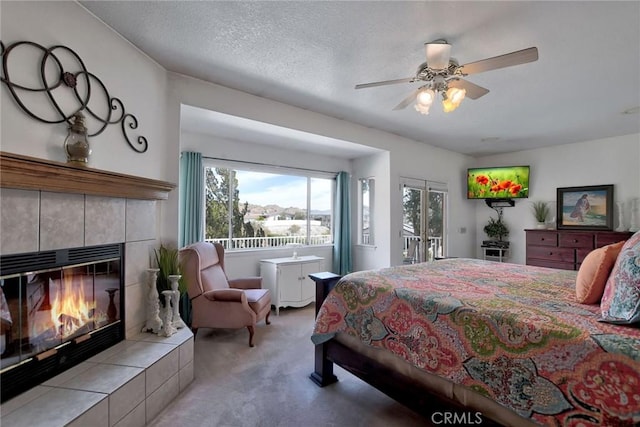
(311, 54)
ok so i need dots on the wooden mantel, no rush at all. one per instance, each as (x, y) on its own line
(30, 173)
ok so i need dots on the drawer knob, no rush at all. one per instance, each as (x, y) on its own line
(575, 240)
(550, 253)
(542, 239)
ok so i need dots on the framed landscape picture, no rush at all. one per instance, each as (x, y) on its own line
(585, 208)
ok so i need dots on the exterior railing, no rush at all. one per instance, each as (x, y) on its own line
(435, 249)
(271, 242)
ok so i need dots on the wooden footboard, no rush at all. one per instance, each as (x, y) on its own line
(399, 387)
(323, 366)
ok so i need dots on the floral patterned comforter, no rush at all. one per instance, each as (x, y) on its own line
(514, 333)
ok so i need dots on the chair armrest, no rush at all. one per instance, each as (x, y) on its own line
(236, 295)
(246, 283)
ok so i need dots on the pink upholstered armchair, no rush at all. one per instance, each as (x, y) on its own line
(218, 302)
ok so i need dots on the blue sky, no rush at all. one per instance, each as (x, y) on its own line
(283, 190)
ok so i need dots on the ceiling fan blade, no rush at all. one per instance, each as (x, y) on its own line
(408, 100)
(473, 90)
(507, 60)
(385, 82)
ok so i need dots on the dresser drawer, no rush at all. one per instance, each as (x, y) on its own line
(552, 254)
(542, 238)
(581, 254)
(576, 240)
(550, 264)
(604, 239)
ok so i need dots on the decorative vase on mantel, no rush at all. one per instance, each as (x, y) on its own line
(76, 145)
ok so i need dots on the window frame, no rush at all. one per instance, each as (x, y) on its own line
(309, 174)
(370, 241)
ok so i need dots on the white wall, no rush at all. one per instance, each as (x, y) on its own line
(129, 75)
(408, 157)
(378, 254)
(434, 164)
(226, 149)
(605, 161)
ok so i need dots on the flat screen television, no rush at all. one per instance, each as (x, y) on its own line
(503, 182)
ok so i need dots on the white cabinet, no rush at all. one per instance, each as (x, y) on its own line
(288, 279)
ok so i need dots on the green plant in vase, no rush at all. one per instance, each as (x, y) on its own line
(540, 211)
(168, 264)
(496, 229)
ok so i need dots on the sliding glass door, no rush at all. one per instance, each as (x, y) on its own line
(436, 224)
(424, 220)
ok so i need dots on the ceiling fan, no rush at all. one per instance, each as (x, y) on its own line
(442, 74)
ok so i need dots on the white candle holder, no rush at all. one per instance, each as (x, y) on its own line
(167, 316)
(621, 226)
(153, 322)
(177, 323)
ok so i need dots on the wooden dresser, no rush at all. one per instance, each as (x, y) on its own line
(566, 249)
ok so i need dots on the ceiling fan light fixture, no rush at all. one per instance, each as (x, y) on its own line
(425, 97)
(456, 94)
(438, 54)
(448, 106)
(452, 99)
(443, 75)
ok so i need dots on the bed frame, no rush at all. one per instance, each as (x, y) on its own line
(399, 387)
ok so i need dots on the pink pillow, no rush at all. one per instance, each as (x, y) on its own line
(594, 272)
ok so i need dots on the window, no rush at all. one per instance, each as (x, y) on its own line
(251, 208)
(365, 211)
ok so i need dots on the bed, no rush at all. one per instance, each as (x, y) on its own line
(480, 341)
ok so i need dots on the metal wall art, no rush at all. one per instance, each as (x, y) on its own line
(54, 79)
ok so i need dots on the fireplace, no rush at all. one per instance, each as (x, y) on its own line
(57, 309)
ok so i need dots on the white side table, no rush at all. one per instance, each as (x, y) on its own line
(288, 280)
(492, 253)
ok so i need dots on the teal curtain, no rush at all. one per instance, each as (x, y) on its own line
(342, 226)
(191, 211)
(191, 187)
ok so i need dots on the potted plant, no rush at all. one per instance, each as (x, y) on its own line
(540, 211)
(496, 229)
(168, 264)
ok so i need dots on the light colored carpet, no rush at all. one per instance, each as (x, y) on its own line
(269, 385)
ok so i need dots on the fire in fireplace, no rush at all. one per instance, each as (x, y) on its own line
(57, 309)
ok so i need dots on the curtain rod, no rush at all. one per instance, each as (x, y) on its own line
(270, 165)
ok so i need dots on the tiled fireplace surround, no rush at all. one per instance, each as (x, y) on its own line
(131, 382)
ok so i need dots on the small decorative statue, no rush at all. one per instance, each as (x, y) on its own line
(153, 323)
